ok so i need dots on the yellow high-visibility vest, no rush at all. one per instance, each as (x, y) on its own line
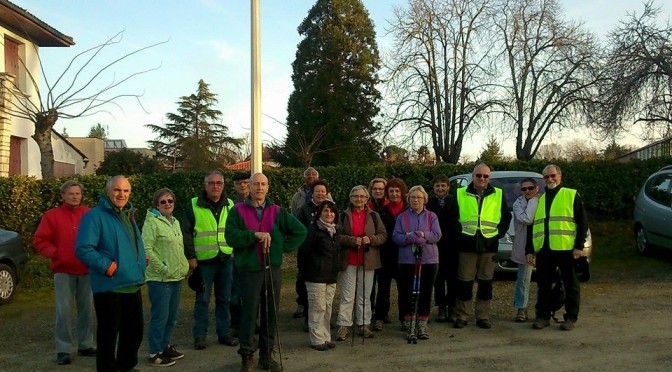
(209, 236)
(561, 224)
(487, 221)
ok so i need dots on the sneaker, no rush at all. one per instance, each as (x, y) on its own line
(299, 312)
(459, 323)
(484, 323)
(228, 341)
(268, 363)
(377, 325)
(172, 353)
(343, 333)
(160, 360)
(568, 325)
(320, 347)
(422, 330)
(63, 359)
(521, 316)
(365, 331)
(200, 343)
(90, 352)
(541, 323)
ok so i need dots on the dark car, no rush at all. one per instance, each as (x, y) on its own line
(12, 259)
(509, 182)
(653, 212)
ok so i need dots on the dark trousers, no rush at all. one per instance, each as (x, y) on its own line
(547, 262)
(301, 293)
(406, 279)
(445, 286)
(118, 314)
(384, 275)
(257, 298)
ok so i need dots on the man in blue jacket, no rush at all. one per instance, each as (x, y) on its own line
(109, 243)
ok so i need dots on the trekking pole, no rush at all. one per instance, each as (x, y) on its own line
(417, 274)
(354, 305)
(366, 249)
(275, 312)
(266, 269)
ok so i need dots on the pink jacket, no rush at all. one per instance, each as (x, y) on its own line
(55, 239)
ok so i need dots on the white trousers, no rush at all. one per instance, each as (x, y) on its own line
(356, 285)
(320, 303)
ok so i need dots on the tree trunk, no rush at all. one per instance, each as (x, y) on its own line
(43, 125)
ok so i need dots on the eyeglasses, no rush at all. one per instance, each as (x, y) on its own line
(484, 176)
(416, 197)
(358, 196)
(215, 183)
(550, 176)
(528, 188)
(166, 201)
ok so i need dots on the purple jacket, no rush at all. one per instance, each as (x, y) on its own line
(406, 233)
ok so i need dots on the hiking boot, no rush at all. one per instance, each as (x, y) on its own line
(442, 316)
(541, 323)
(160, 360)
(90, 352)
(365, 331)
(268, 363)
(200, 343)
(459, 323)
(330, 344)
(484, 323)
(521, 316)
(172, 353)
(247, 363)
(343, 333)
(228, 341)
(300, 312)
(377, 325)
(405, 324)
(422, 330)
(568, 325)
(320, 347)
(63, 359)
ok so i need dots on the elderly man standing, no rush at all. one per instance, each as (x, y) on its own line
(558, 234)
(207, 250)
(55, 239)
(260, 233)
(241, 183)
(483, 218)
(110, 244)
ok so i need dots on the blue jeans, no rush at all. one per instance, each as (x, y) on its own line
(220, 276)
(68, 288)
(165, 300)
(522, 294)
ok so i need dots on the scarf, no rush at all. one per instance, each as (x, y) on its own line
(328, 227)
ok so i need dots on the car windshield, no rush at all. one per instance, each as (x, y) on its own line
(511, 187)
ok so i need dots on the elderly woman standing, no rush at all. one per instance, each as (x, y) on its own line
(362, 234)
(522, 251)
(417, 231)
(319, 263)
(167, 266)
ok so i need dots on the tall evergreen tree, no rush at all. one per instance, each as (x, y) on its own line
(98, 131)
(332, 109)
(492, 151)
(194, 138)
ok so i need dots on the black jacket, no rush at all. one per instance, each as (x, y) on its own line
(389, 252)
(448, 226)
(478, 243)
(319, 256)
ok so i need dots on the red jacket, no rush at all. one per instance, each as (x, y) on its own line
(55, 238)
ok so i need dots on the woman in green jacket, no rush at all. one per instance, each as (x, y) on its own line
(167, 267)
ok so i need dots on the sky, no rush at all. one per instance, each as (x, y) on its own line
(210, 40)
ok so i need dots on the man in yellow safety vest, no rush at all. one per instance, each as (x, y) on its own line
(207, 251)
(558, 234)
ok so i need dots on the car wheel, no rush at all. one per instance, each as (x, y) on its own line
(642, 243)
(7, 283)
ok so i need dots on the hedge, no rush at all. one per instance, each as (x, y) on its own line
(607, 188)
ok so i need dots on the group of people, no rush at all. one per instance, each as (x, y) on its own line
(436, 244)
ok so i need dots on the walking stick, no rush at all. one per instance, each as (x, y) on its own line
(267, 268)
(417, 273)
(366, 249)
(354, 305)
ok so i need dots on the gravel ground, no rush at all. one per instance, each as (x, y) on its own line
(624, 325)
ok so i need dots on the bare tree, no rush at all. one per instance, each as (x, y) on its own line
(639, 68)
(552, 70)
(74, 94)
(549, 152)
(441, 72)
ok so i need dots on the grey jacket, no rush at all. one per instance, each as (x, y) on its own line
(523, 216)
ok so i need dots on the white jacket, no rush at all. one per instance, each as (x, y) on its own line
(523, 216)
